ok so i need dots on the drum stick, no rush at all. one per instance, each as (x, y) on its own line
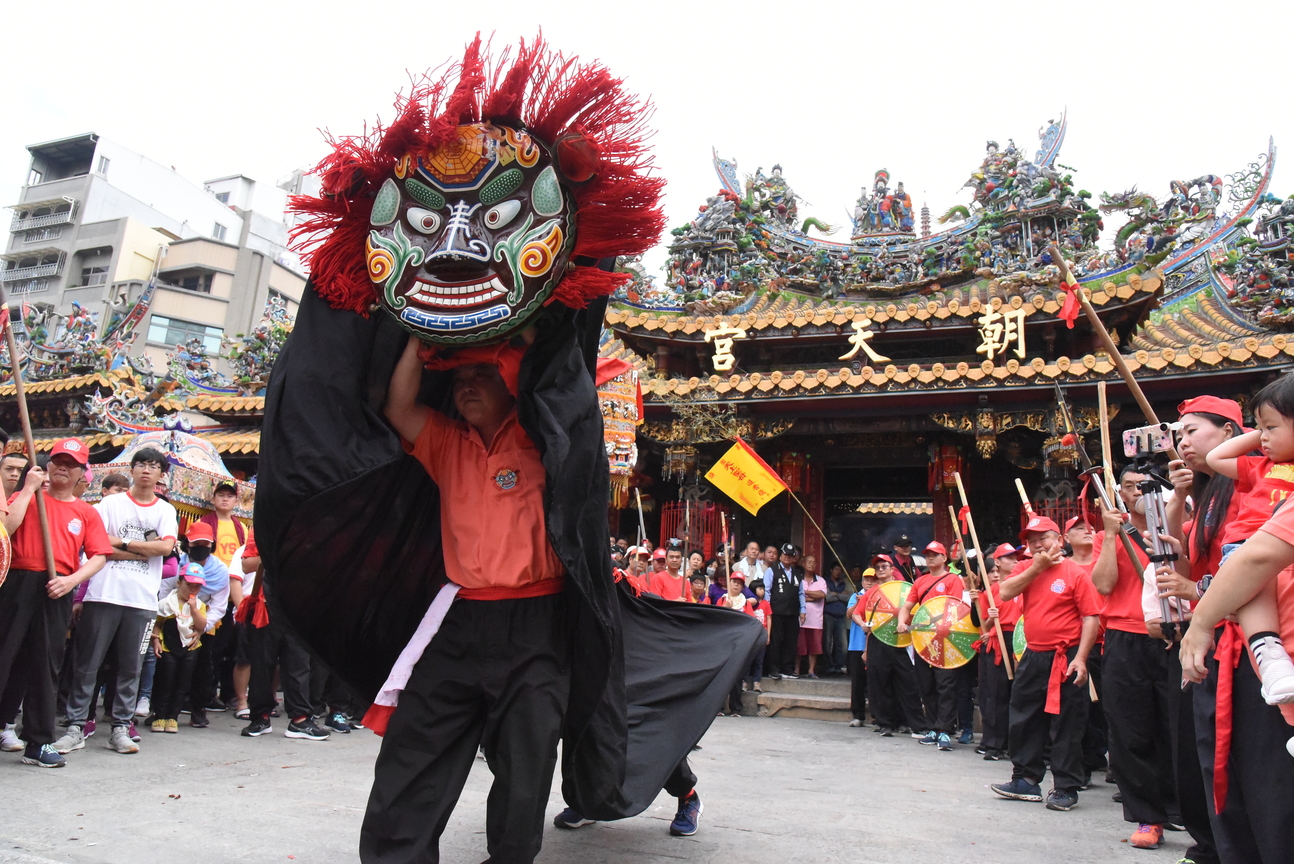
(983, 571)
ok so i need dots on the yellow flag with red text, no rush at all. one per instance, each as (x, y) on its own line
(745, 478)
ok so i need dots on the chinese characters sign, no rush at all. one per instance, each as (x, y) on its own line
(723, 337)
(998, 330)
(863, 332)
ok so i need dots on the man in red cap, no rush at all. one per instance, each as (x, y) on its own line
(938, 687)
(994, 684)
(1050, 690)
(891, 678)
(34, 610)
(120, 604)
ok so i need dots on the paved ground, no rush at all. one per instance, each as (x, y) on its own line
(775, 790)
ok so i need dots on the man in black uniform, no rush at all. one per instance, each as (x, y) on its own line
(904, 566)
(786, 596)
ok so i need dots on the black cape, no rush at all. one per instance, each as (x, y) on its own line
(348, 526)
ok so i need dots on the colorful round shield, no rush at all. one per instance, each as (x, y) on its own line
(1018, 639)
(943, 633)
(883, 613)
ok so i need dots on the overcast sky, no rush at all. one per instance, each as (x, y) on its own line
(832, 91)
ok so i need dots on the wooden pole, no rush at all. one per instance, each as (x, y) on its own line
(727, 556)
(983, 572)
(642, 524)
(1110, 348)
(1107, 468)
(821, 533)
(24, 418)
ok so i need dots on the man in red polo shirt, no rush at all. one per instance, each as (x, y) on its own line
(670, 583)
(1050, 689)
(891, 680)
(938, 687)
(1136, 687)
(497, 671)
(34, 610)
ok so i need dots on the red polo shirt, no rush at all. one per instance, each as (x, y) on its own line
(1055, 603)
(930, 586)
(492, 524)
(671, 588)
(1266, 484)
(1122, 607)
(73, 526)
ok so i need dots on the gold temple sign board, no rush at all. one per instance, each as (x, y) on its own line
(723, 337)
(999, 329)
(862, 333)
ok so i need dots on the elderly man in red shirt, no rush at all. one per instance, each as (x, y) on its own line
(1060, 605)
(938, 687)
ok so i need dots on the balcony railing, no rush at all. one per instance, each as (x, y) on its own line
(31, 286)
(19, 273)
(41, 221)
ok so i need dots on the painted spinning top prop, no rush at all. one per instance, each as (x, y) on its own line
(942, 632)
(1019, 641)
(883, 613)
(498, 190)
(6, 553)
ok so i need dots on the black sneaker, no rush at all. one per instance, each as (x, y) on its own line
(571, 819)
(981, 749)
(43, 756)
(1058, 799)
(198, 719)
(217, 705)
(886, 733)
(994, 756)
(1019, 789)
(306, 728)
(338, 723)
(259, 726)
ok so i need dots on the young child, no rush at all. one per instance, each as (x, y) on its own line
(1265, 481)
(761, 610)
(177, 634)
(735, 599)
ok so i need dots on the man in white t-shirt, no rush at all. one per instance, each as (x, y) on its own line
(750, 564)
(121, 601)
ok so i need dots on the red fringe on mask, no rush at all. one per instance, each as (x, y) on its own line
(617, 209)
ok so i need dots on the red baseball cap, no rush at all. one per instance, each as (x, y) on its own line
(936, 547)
(1228, 408)
(883, 557)
(201, 531)
(1004, 550)
(1037, 525)
(71, 447)
(1074, 520)
(659, 553)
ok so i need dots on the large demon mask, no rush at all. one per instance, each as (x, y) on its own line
(460, 218)
(469, 239)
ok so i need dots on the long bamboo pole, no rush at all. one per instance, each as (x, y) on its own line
(1107, 469)
(24, 418)
(983, 570)
(988, 591)
(821, 533)
(1110, 348)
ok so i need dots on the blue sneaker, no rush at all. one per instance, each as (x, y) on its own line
(1019, 789)
(945, 743)
(687, 817)
(929, 738)
(967, 737)
(568, 818)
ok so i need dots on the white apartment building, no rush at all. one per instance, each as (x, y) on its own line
(95, 221)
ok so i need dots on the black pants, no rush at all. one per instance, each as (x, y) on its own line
(1191, 800)
(1031, 725)
(681, 781)
(994, 701)
(171, 681)
(967, 681)
(497, 674)
(892, 686)
(271, 646)
(757, 665)
(1137, 696)
(1096, 739)
(780, 657)
(1256, 825)
(857, 684)
(32, 632)
(327, 694)
(209, 669)
(938, 696)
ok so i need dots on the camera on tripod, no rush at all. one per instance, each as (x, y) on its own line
(1146, 440)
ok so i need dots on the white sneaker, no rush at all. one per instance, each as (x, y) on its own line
(1277, 670)
(9, 740)
(855, 723)
(73, 739)
(143, 707)
(120, 740)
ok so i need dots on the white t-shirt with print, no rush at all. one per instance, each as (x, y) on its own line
(132, 583)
